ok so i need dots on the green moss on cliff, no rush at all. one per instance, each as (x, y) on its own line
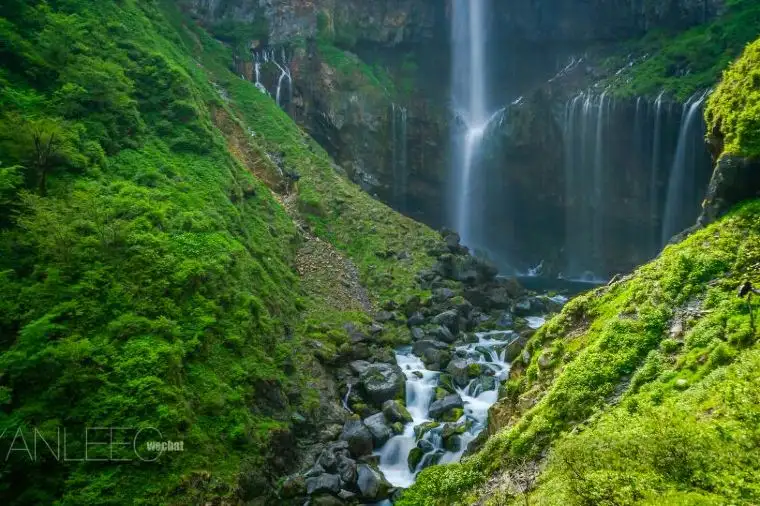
(733, 109)
(687, 62)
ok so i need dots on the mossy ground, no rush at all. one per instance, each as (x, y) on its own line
(648, 392)
(147, 271)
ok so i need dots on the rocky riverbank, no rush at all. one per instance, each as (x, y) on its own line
(426, 402)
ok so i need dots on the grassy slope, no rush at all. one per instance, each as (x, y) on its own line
(686, 62)
(644, 392)
(153, 285)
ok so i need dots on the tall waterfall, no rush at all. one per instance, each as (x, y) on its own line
(681, 187)
(284, 82)
(399, 155)
(469, 97)
(635, 172)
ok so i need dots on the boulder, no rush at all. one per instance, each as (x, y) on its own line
(328, 461)
(522, 307)
(459, 372)
(452, 240)
(359, 366)
(324, 483)
(420, 347)
(347, 471)
(372, 484)
(516, 345)
(412, 305)
(443, 334)
(482, 384)
(442, 294)
(415, 320)
(417, 333)
(443, 406)
(394, 411)
(448, 319)
(414, 458)
(381, 433)
(384, 316)
(435, 359)
(382, 382)
(359, 438)
(423, 428)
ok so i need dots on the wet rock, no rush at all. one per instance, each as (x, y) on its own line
(359, 438)
(435, 359)
(442, 407)
(431, 459)
(415, 320)
(394, 411)
(443, 334)
(330, 433)
(453, 443)
(522, 307)
(423, 428)
(482, 384)
(382, 382)
(458, 370)
(504, 321)
(372, 484)
(425, 445)
(515, 346)
(449, 320)
(381, 433)
(420, 347)
(329, 483)
(414, 458)
(452, 241)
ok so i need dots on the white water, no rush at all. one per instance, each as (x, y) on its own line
(399, 155)
(469, 92)
(420, 392)
(674, 219)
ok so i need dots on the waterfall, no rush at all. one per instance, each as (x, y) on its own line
(585, 183)
(469, 92)
(399, 155)
(656, 170)
(679, 199)
(267, 56)
(284, 74)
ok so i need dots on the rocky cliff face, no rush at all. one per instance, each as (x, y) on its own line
(369, 81)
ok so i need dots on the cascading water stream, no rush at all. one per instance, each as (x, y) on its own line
(489, 351)
(676, 214)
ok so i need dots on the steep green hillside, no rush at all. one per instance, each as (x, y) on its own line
(683, 63)
(644, 391)
(147, 270)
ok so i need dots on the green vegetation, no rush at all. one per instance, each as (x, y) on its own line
(147, 272)
(685, 62)
(734, 107)
(631, 414)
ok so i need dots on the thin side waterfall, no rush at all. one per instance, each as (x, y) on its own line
(656, 169)
(399, 155)
(679, 199)
(265, 57)
(599, 180)
(469, 92)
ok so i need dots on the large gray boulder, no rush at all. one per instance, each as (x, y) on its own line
(443, 334)
(382, 382)
(372, 484)
(443, 406)
(420, 347)
(448, 319)
(458, 370)
(329, 483)
(347, 470)
(359, 438)
(381, 433)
